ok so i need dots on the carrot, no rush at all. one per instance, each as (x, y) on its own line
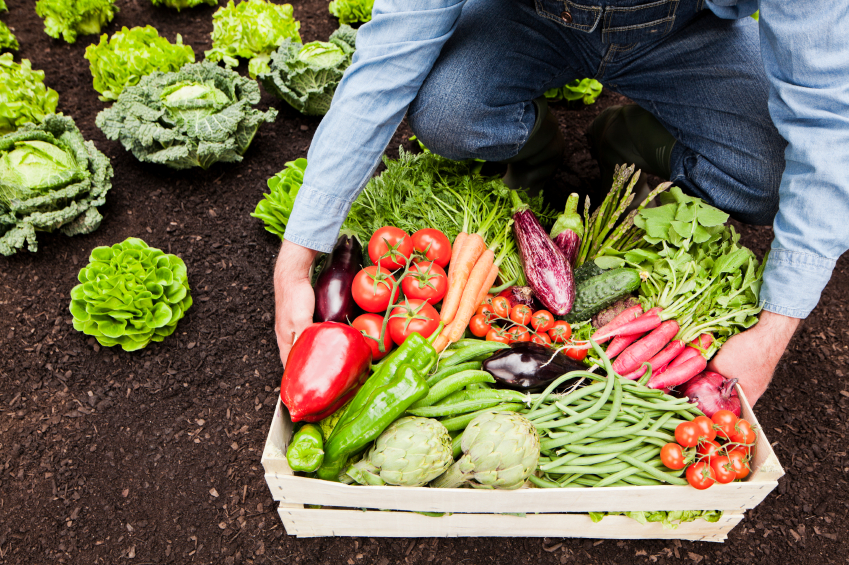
(646, 348)
(490, 280)
(455, 253)
(645, 323)
(471, 251)
(441, 341)
(620, 343)
(469, 301)
(680, 374)
(627, 315)
(659, 361)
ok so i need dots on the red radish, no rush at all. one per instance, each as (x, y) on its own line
(680, 374)
(646, 348)
(687, 353)
(620, 343)
(645, 323)
(627, 315)
(662, 359)
(704, 341)
(713, 392)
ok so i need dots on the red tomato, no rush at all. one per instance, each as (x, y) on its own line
(706, 431)
(700, 475)
(521, 314)
(722, 469)
(708, 449)
(672, 456)
(479, 326)
(425, 281)
(501, 307)
(498, 334)
(518, 333)
(576, 353)
(543, 320)
(724, 421)
(370, 326)
(739, 462)
(488, 299)
(485, 310)
(391, 246)
(433, 245)
(687, 434)
(371, 289)
(560, 332)
(743, 433)
(542, 339)
(412, 315)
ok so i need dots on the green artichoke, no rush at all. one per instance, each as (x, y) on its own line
(411, 452)
(130, 295)
(500, 450)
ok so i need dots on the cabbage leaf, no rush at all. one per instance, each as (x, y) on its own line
(180, 4)
(23, 96)
(193, 117)
(50, 178)
(274, 208)
(306, 76)
(351, 11)
(252, 29)
(130, 54)
(69, 18)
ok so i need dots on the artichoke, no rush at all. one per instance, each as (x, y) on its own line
(130, 295)
(500, 450)
(411, 452)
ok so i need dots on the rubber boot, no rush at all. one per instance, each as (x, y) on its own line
(630, 135)
(540, 156)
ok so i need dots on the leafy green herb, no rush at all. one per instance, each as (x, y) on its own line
(306, 76)
(3, 7)
(7, 38)
(23, 96)
(180, 4)
(193, 117)
(670, 519)
(274, 209)
(131, 54)
(50, 178)
(69, 18)
(352, 11)
(586, 90)
(252, 29)
(130, 294)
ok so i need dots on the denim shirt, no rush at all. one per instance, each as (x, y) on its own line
(806, 58)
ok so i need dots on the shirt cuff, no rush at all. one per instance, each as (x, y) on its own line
(793, 282)
(316, 218)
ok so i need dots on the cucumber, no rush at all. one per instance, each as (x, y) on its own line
(586, 271)
(596, 293)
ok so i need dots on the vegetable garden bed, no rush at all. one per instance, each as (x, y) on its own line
(529, 512)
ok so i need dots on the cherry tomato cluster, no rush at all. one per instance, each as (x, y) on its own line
(418, 262)
(497, 321)
(709, 460)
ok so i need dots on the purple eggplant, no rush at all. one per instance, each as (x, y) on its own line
(568, 230)
(333, 299)
(528, 366)
(520, 295)
(545, 266)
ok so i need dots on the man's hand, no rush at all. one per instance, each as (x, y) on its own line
(294, 300)
(751, 356)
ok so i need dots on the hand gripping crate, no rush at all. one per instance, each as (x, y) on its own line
(391, 511)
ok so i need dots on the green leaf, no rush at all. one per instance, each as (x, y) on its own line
(605, 262)
(182, 4)
(23, 96)
(275, 207)
(710, 216)
(351, 11)
(69, 18)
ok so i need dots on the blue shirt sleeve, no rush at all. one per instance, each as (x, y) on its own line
(806, 57)
(395, 52)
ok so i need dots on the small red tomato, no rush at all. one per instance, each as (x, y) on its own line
(390, 247)
(521, 314)
(498, 334)
(724, 421)
(479, 326)
(543, 320)
(700, 475)
(370, 326)
(488, 300)
(518, 333)
(672, 455)
(433, 245)
(687, 434)
(410, 316)
(739, 462)
(722, 469)
(485, 310)
(425, 281)
(560, 332)
(542, 339)
(708, 449)
(501, 307)
(576, 353)
(372, 288)
(743, 433)
(705, 425)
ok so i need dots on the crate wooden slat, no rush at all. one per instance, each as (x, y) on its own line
(473, 512)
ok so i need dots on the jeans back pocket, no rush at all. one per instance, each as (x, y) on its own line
(627, 22)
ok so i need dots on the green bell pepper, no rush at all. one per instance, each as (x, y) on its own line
(306, 452)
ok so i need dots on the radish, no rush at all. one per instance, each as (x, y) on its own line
(690, 351)
(713, 392)
(620, 343)
(645, 323)
(680, 374)
(646, 348)
(627, 315)
(661, 360)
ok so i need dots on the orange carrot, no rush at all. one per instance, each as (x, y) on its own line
(441, 341)
(490, 279)
(455, 252)
(465, 262)
(469, 301)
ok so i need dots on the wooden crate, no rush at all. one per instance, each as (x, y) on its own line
(391, 511)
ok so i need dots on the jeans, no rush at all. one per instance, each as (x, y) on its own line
(701, 76)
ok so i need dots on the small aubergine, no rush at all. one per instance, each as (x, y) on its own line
(568, 230)
(528, 366)
(520, 295)
(333, 299)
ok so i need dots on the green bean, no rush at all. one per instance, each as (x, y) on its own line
(448, 371)
(464, 343)
(457, 446)
(656, 473)
(640, 481)
(600, 425)
(660, 422)
(614, 432)
(471, 351)
(624, 474)
(580, 393)
(460, 422)
(478, 386)
(542, 483)
(453, 409)
(560, 461)
(620, 447)
(452, 384)
(483, 394)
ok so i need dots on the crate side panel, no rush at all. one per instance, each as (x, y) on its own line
(765, 464)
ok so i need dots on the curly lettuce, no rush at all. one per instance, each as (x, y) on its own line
(50, 178)
(193, 117)
(669, 519)
(180, 4)
(274, 209)
(7, 38)
(23, 96)
(351, 11)
(3, 7)
(306, 76)
(253, 30)
(69, 18)
(130, 54)
(586, 90)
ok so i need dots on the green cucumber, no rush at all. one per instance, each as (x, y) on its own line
(597, 293)
(586, 271)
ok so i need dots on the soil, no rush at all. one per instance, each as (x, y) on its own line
(154, 456)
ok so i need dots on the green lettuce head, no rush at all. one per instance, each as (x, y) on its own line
(180, 4)
(50, 178)
(130, 294)
(586, 90)
(7, 38)
(306, 76)
(274, 208)
(69, 18)
(351, 11)
(193, 117)
(23, 96)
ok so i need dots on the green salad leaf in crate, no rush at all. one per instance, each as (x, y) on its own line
(23, 96)
(69, 18)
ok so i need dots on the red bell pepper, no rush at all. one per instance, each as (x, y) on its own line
(325, 367)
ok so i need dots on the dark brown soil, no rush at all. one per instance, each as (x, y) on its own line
(154, 457)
